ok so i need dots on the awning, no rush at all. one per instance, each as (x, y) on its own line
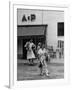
(30, 30)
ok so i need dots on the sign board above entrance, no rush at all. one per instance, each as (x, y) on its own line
(31, 17)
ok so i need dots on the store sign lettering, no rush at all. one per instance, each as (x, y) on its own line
(25, 18)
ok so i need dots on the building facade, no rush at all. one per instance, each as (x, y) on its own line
(46, 26)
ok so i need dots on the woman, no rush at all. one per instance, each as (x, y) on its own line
(30, 54)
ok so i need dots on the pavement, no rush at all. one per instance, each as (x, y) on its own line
(25, 71)
(55, 60)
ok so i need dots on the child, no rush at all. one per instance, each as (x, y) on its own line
(42, 63)
(45, 68)
(39, 54)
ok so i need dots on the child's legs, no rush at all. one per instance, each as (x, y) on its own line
(41, 70)
(46, 71)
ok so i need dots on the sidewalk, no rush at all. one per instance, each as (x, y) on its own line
(55, 60)
(32, 72)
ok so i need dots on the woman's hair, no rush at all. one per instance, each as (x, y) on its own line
(31, 40)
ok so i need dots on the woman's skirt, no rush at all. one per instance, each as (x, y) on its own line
(30, 54)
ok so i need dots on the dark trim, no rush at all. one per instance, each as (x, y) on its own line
(23, 37)
(32, 25)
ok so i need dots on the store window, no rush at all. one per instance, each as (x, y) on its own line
(61, 47)
(60, 29)
(60, 44)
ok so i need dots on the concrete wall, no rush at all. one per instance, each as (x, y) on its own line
(52, 18)
(49, 17)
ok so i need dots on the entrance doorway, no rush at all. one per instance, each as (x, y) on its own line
(35, 32)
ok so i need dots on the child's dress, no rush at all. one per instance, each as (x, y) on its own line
(44, 68)
(43, 64)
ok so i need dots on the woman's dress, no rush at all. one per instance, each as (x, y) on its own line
(30, 53)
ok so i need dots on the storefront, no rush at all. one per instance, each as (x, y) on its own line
(38, 25)
(27, 32)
